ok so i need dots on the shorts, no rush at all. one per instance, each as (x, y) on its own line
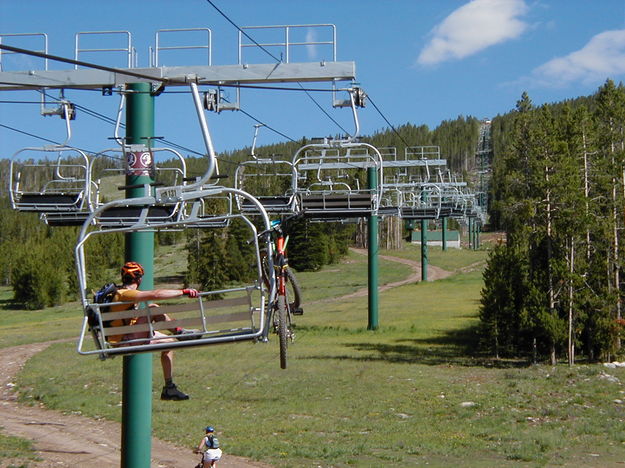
(212, 454)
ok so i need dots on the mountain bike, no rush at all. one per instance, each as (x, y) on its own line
(286, 298)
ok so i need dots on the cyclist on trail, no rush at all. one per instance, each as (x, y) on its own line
(210, 446)
(132, 273)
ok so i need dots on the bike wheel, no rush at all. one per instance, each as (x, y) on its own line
(293, 291)
(283, 330)
(265, 269)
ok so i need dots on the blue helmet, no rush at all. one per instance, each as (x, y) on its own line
(210, 429)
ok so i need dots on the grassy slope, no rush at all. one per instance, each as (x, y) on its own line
(406, 394)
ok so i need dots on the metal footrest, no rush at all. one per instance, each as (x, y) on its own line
(45, 202)
(123, 216)
(271, 205)
(337, 205)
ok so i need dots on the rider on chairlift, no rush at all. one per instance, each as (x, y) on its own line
(132, 274)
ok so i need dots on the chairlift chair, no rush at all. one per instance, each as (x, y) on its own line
(272, 181)
(328, 186)
(59, 185)
(422, 203)
(217, 316)
(254, 176)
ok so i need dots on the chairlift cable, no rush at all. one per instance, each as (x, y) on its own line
(269, 88)
(112, 121)
(243, 32)
(29, 134)
(81, 63)
(17, 130)
(324, 111)
(20, 102)
(277, 61)
(88, 111)
(266, 125)
(386, 120)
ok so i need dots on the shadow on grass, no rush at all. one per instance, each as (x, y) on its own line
(169, 279)
(454, 347)
(10, 304)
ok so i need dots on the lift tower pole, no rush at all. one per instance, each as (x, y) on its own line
(372, 184)
(137, 368)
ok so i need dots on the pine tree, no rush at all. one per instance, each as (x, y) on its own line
(211, 265)
(610, 117)
(308, 246)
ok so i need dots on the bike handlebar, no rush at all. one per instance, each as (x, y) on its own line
(276, 226)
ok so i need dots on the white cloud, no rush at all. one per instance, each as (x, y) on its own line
(311, 48)
(601, 58)
(473, 27)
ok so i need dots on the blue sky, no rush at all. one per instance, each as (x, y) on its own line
(421, 62)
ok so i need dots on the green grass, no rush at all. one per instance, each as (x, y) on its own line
(411, 393)
(18, 326)
(16, 452)
(347, 277)
(450, 259)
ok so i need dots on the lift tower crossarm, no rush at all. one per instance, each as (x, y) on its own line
(180, 76)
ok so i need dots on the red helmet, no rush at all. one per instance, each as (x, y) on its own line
(131, 271)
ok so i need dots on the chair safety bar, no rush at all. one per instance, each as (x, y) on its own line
(235, 318)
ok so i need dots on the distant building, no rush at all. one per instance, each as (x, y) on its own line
(436, 238)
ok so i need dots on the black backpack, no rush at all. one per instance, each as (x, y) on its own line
(213, 441)
(104, 295)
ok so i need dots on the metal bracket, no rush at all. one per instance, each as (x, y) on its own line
(214, 101)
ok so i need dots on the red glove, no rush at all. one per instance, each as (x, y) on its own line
(190, 292)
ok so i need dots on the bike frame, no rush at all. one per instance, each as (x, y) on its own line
(281, 261)
(277, 265)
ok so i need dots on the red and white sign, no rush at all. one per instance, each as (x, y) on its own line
(140, 163)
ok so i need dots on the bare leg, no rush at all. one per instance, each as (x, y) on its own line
(167, 362)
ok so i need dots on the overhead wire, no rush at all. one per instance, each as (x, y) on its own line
(387, 121)
(81, 63)
(277, 61)
(300, 85)
(17, 130)
(242, 31)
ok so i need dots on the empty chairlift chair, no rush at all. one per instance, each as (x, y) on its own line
(59, 190)
(332, 180)
(271, 180)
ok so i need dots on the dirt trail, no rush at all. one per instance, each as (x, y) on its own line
(434, 273)
(67, 440)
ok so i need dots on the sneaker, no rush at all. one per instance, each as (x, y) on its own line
(181, 332)
(171, 392)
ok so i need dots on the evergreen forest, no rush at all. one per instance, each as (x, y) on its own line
(553, 289)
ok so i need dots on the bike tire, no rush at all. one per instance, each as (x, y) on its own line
(283, 330)
(294, 291)
(265, 269)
